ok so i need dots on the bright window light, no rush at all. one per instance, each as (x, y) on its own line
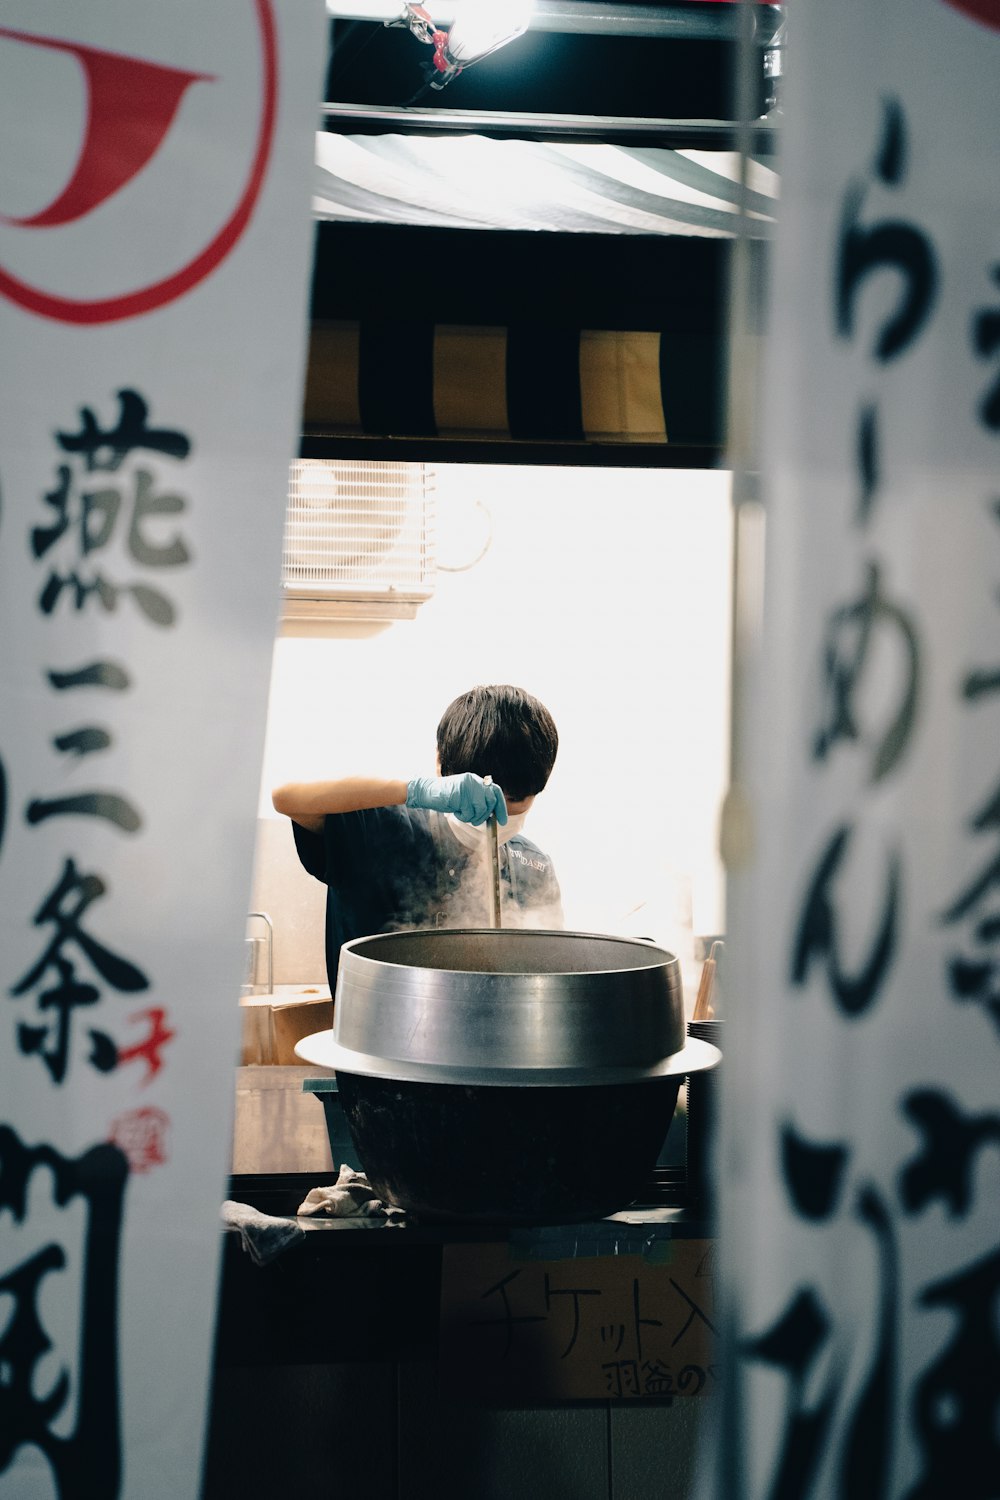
(481, 26)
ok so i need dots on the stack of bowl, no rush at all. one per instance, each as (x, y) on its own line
(702, 1119)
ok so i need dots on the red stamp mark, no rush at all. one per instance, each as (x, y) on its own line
(142, 1135)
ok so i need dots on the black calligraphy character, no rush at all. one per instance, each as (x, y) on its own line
(103, 1054)
(147, 504)
(99, 674)
(868, 1441)
(64, 908)
(818, 933)
(24, 1342)
(980, 682)
(986, 342)
(576, 1293)
(658, 1379)
(85, 1456)
(87, 888)
(987, 819)
(621, 1378)
(613, 1332)
(690, 1379)
(87, 740)
(848, 647)
(65, 996)
(660, 1382)
(508, 1320)
(105, 448)
(110, 806)
(951, 1138)
(639, 1322)
(888, 245)
(814, 1174)
(98, 512)
(796, 1341)
(153, 603)
(954, 1402)
(868, 461)
(975, 977)
(91, 512)
(978, 978)
(694, 1312)
(44, 537)
(793, 1346)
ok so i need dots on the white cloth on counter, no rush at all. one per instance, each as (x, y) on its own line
(263, 1236)
(349, 1197)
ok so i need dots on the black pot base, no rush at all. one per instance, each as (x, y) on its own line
(507, 1155)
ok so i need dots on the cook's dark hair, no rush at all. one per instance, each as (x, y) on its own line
(499, 731)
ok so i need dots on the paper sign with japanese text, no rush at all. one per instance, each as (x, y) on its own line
(860, 1166)
(155, 252)
(592, 1328)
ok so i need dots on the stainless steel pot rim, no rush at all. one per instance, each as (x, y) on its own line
(321, 1050)
(659, 958)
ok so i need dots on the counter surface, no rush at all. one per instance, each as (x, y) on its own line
(364, 1288)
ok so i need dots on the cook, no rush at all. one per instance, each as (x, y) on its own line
(413, 853)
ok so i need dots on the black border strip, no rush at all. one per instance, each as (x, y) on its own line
(510, 451)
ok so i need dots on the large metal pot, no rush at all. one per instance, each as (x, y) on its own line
(505, 1074)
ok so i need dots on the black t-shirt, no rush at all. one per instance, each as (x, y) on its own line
(389, 868)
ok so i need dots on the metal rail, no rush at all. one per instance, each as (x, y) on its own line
(512, 122)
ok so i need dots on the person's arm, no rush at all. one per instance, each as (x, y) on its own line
(308, 802)
(468, 796)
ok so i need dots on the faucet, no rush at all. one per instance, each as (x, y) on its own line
(263, 917)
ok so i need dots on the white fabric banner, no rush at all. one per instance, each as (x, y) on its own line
(155, 245)
(860, 1163)
(476, 182)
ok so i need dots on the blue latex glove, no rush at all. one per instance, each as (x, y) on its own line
(468, 796)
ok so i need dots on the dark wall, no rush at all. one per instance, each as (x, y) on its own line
(500, 278)
(399, 282)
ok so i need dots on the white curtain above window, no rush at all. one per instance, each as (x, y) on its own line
(477, 182)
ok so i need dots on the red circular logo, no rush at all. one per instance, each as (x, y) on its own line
(130, 105)
(985, 11)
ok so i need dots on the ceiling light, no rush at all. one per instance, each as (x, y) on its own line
(479, 28)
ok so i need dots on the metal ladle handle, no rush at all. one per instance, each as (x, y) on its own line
(494, 863)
